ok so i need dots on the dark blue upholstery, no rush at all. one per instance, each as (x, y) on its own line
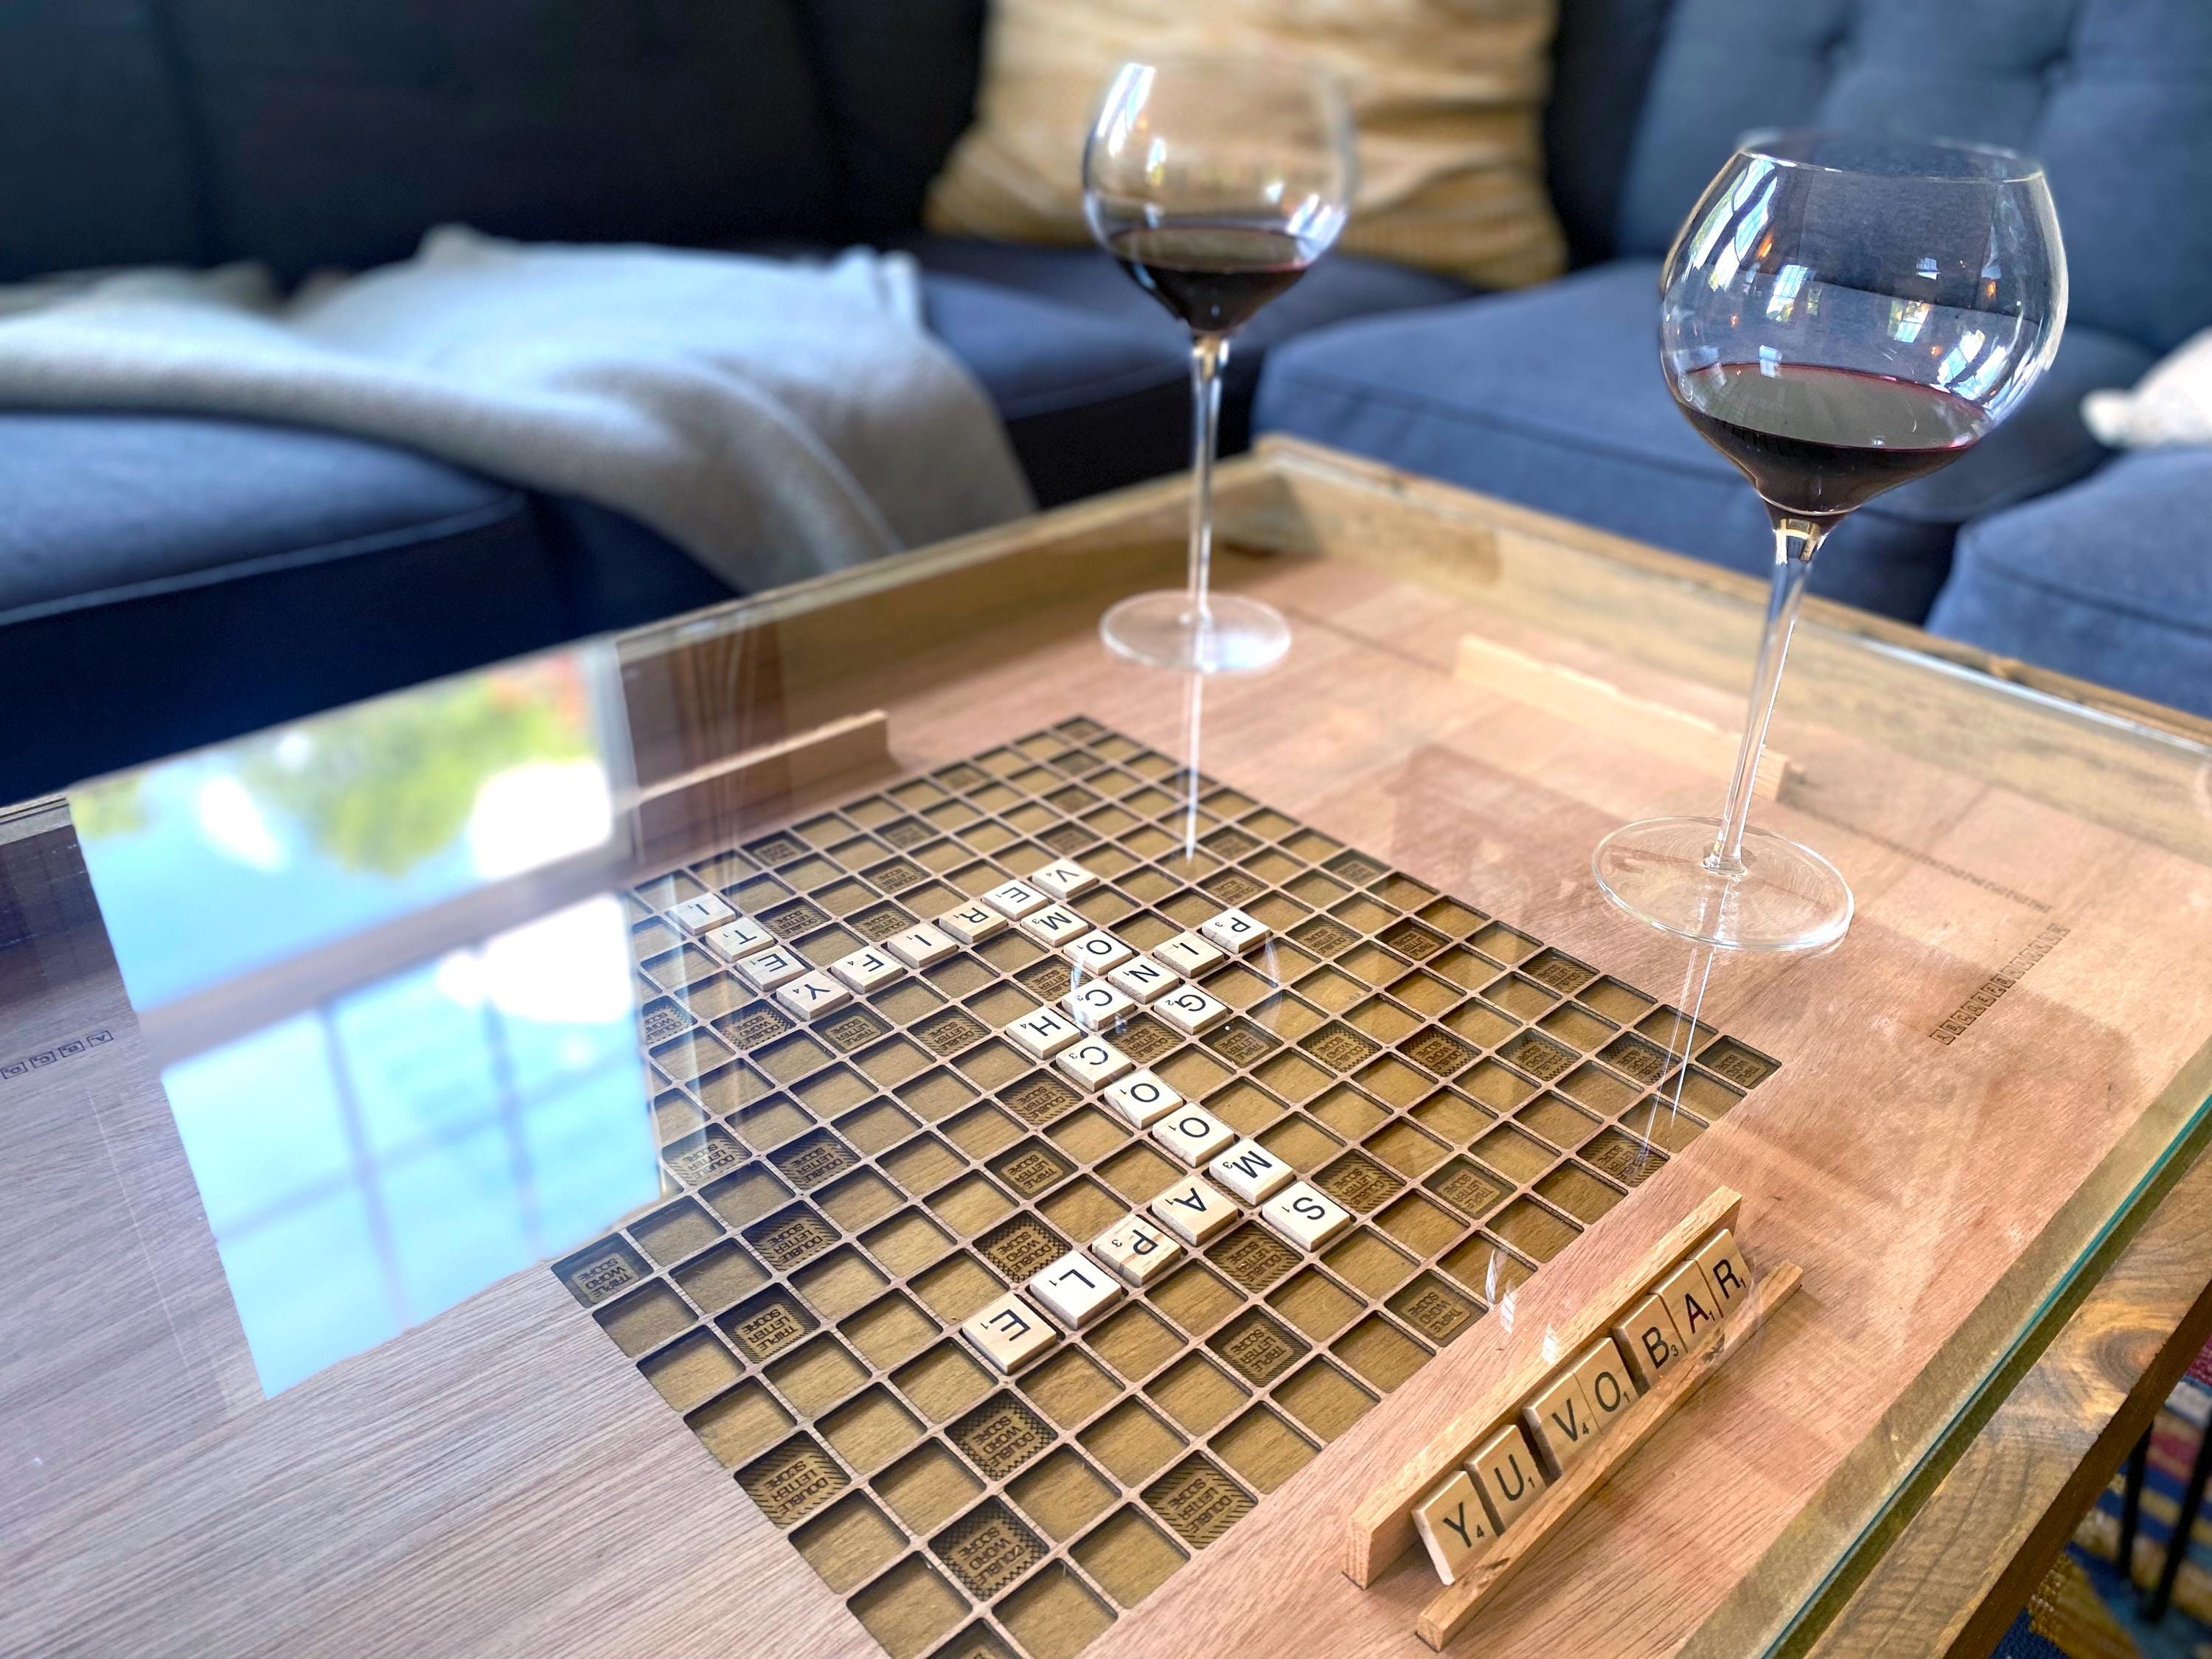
(1602, 59)
(1552, 396)
(2107, 581)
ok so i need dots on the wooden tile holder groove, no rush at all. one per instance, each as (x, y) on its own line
(1458, 1603)
(1381, 1529)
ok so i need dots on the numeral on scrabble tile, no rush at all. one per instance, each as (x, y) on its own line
(1009, 1333)
(1063, 880)
(1075, 1290)
(1096, 1005)
(1016, 899)
(1194, 1210)
(1454, 1525)
(1142, 1099)
(1187, 954)
(1506, 1474)
(1646, 1335)
(1190, 1011)
(1305, 1216)
(738, 940)
(813, 993)
(920, 947)
(864, 971)
(767, 970)
(1192, 1134)
(1135, 1251)
(1143, 980)
(1092, 1063)
(971, 924)
(1054, 925)
(1234, 932)
(1097, 952)
(708, 910)
(1045, 1033)
(1562, 1420)
(1251, 1171)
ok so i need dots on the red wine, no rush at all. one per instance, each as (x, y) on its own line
(1817, 442)
(1212, 276)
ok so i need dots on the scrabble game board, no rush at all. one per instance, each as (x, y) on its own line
(884, 1159)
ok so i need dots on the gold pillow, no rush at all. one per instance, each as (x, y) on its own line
(1446, 94)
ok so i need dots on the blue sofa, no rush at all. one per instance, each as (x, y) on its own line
(2036, 545)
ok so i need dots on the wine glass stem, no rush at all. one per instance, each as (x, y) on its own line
(1795, 541)
(1208, 352)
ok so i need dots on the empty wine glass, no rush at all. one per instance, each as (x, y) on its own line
(1216, 182)
(1839, 315)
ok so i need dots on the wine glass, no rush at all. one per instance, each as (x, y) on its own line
(1839, 315)
(1215, 182)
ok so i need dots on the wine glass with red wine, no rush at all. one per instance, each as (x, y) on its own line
(1215, 182)
(1839, 315)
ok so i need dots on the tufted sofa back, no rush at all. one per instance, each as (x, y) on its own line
(2114, 95)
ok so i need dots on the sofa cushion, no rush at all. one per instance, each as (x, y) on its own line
(95, 155)
(335, 131)
(2106, 581)
(2115, 96)
(1553, 398)
(1601, 58)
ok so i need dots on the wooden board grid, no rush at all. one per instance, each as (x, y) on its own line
(839, 1196)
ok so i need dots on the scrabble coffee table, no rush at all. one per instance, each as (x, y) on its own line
(1100, 1128)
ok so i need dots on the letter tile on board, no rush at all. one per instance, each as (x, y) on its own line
(1194, 1210)
(1646, 1335)
(973, 922)
(1606, 1380)
(1045, 1033)
(1096, 1005)
(1142, 1098)
(1009, 1333)
(1234, 932)
(1562, 1421)
(813, 993)
(1251, 1172)
(1063, 880)
(864, 971)
(1190, 1011)
(1054, 925)
(920, 947)
(740, 938)
(1143, 979)
(1452, 1522)
(1093, 1062)
(1728, 1271)
(1507, 1476)
(1308, 1218)
(1075, 1290)
(1192, 1134)
(1135, 1251)
(1016, 899)
(1690, 1302)
(708, 910)
(1187, 954)
(766, 969)
(1097, 952)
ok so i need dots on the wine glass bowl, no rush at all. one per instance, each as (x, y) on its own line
(1214, 182)
(1839, 315)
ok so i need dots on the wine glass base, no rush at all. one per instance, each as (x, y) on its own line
(1237, 635)
(1786, 897)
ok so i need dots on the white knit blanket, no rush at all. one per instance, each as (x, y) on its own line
(775, 419)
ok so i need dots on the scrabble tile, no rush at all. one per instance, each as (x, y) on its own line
(1187, 954)
(1250, 1171)
(1561, 1421)
(1194, 1210)
(1455, 1526)
(738, 940)
(1098, 952)
(1135, 1251)
(1142, 1099)
(1646, 1335)
(1016, 899)
(972, 923)
(1143, 979)
(1728, 1271)
(708, 910)
(1064, 879)
(1690, 1302)
(1507, 1474)
(1093, 1062)
(920, 947)
(1075, 1290)
(1009, 1333)
(1045, 1033)
(767, 970)
(864, 971)
(1234, 932)
(1192, 1134)
(1190, 1011)
(813, 993)
(1096, 1005)
(1308, 1218)
(1054, 925)
(1606, 1379)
